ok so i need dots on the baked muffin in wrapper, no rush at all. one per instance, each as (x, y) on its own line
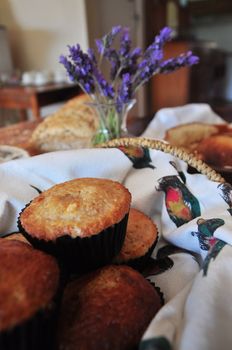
(158, 291)
(82, 222)
(36, 333)
(30, 297)
(140, 263)
(140, 241)
(80, 255)
(109, 308)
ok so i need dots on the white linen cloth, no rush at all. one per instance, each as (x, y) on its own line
(169, 117)
(193, 215)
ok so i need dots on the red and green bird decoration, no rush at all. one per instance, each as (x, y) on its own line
(182, 206)
(139, 156)
(207, 241)
(227, 195)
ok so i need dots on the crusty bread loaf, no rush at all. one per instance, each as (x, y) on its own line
(186, 134)
(75, 102)
(210, 142)
(70, 127)
(217, 150)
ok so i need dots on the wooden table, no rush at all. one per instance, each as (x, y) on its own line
(19, 135)
(23, 98)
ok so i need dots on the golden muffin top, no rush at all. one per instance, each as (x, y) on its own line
(78, 208)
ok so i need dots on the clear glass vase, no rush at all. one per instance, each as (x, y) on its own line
(112, 123)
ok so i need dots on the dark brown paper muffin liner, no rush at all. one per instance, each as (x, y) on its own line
(36, 333)
(80, 255)
(140, 263)
(158, 290)
(39, 331)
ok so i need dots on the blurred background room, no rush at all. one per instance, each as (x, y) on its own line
(34, 34)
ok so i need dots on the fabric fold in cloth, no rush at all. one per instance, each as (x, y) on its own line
(193, 215)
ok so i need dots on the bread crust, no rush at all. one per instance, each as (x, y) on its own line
(190, 133)
(72, 126)
(217, 150)
(209, 142)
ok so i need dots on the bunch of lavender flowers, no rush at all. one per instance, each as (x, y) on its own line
(129, 69)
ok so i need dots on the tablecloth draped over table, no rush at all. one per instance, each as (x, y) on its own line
(170, 117)
(193, 215)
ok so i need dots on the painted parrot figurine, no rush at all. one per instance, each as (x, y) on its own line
(182, 206)
(207, 241)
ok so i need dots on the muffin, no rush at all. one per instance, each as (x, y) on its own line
(82, 222)
(141, 238)
(108, 309)
(29, 288)
(15, 236)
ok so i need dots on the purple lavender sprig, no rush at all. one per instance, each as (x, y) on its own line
(125, 43)
(183, 60)
(129, 68)
(79, 67)
(105, 43)
(125, 60)
(124, 92)
(106, 89)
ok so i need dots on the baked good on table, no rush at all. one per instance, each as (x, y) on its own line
(81, 221)
(72, 126)
(108, 309)
(216, 150)
(188, 135)
(15, 236)
(29, 285)
(209, 142)
(141, 238)
(75, 102)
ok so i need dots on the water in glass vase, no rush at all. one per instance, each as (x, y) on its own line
(112, 120)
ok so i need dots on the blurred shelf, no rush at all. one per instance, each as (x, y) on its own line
(210, 7)
(22, 98)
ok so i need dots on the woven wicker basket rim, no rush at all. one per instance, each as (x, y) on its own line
(165, 147)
